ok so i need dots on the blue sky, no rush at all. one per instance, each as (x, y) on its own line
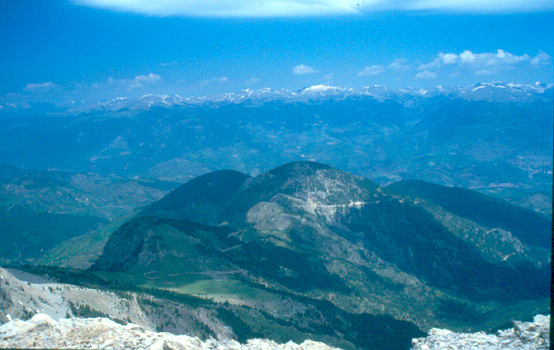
(59, 51)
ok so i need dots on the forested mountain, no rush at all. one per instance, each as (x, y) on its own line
(414, 251)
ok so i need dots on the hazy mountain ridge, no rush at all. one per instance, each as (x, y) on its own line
(493, 137)
(77, 193)
(483, 91)
(40, 209)
(315, 231)
(529, 226)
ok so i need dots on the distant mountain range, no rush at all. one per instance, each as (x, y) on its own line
(487, 92)
(496, 138)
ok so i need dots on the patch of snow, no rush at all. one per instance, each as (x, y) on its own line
(321, 88)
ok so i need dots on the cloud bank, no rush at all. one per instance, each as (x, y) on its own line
(487, 63)
(220, 8)
(294, 8)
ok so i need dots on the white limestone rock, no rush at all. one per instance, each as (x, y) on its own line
(524, 336)
(42, 331)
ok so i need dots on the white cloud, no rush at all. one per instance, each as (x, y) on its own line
(39, 87)
(371, 70)
(474, 6)
(435, 64)
(399, 65)
(274, 8)
(489, 59)
(484, 72)
(484, 63)
(137, 82)
(252, 81)
(448, 58)
(329, 76)
(467, 56)
(441, 60)
(507, 58)
(216, 81)
(221, 8)
(542, 58)
(140, 80)
(221, 80)
(426, 75)
(302, 69)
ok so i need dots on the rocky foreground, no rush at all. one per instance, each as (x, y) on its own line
(524, 336)
(42, 331)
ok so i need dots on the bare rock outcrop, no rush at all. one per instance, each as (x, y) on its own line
(42, 331)
(524, 336)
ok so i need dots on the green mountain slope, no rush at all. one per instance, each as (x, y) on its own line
(41, 209)
(82, 251)
(25, 234)
(316, 232)
(199, 199)
(192, 258)
(530, 227)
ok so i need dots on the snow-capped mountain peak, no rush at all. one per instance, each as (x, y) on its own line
(491, 92)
